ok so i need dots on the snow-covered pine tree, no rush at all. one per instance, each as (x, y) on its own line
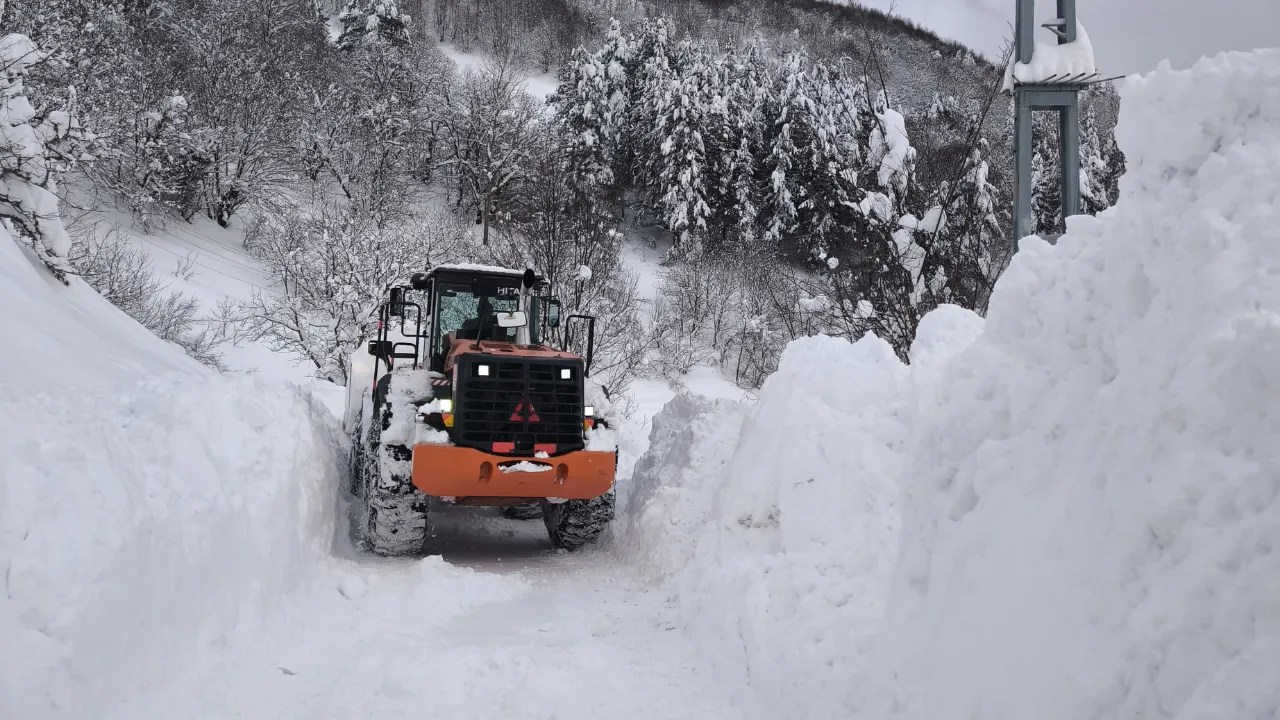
(369, 21)
(590, 109)
(779, 215)
(660, 68)
(683, 172)
(831, 159)
(1046, 188)
(35, 148)
(1093, 166)
(809, 179)
(617, 86)
(736, 142)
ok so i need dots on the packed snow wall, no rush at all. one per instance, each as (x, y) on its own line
(1092, 529)
(150, 509)
(775, 525)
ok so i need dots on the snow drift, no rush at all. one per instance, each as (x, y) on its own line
(775, 526)
(1094, 525)
(149, 508)
(1087, 487)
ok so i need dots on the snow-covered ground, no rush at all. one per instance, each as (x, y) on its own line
(495, 626)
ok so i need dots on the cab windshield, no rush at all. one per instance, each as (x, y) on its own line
(462, 311)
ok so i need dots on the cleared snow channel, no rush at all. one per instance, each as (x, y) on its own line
(172, 544)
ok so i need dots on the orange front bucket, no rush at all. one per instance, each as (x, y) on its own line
(459, 472)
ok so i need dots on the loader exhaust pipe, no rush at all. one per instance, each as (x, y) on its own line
(526, 289)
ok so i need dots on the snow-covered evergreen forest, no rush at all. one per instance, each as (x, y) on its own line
(801, 167)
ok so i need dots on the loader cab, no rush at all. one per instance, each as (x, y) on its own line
(466, 304)
(421, 322)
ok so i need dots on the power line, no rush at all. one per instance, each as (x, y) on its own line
(205, 267)
(211, 251)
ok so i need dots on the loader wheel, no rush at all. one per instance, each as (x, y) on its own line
(528, 511)
(389, 516)
(572, 524)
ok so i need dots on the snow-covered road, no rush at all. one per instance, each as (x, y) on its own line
(498, 625)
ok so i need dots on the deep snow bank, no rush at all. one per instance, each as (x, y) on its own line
(774, 526)
(1093, 529)
(149, 509)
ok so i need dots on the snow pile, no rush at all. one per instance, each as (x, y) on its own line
(150, 510)
(1051, 62)
(1092, 527)
(775, 526)
(672, 488)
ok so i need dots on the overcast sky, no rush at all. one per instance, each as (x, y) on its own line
(1128, 35)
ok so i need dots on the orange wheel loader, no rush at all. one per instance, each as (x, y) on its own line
(460, 402)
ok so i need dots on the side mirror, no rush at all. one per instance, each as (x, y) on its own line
(381, 349)
(512, 319)
(553, 313)
(396, 308)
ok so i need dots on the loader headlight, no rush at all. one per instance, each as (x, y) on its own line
(566, 374)
(589, 411)
(446, 405)
(482, 370)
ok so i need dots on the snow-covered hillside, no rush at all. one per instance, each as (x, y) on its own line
(1087, 486)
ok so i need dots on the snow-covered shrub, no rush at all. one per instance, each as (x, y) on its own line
(698, 300)
(488, 132)
(169, 165)
(123, 274)
(335, 270)
(559, 229)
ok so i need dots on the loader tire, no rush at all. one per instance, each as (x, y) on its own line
(575, 523)
(528, 511)
(389, 516)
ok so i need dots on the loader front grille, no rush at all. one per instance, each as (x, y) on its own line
(521, 407)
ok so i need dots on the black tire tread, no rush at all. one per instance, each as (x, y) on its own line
(386, 520)
(576, 523)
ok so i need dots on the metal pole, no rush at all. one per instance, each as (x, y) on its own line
(1067, 11)
(1024, 222)
(1069, 133)
(1024, 39)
